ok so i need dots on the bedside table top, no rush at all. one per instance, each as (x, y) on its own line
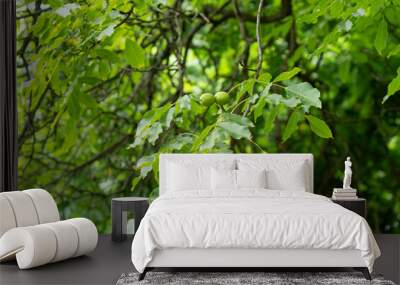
(130, 199)
(349, 200)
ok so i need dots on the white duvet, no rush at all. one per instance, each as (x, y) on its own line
(254, 218)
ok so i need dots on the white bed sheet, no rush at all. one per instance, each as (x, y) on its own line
(252, 218)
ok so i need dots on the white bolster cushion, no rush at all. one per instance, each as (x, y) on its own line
(7, 218)
(40, 244)
(26, 208)
(66, 239)
(45, 206)
(87, 234)
(22, 207)
(32, 246)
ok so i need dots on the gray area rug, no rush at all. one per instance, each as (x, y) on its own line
(232, 278)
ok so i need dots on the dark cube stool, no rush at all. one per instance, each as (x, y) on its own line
(119, 208)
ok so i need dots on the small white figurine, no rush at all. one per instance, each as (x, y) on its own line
(347, 174)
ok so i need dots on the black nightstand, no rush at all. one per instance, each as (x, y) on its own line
(358, 205)
(119, 207)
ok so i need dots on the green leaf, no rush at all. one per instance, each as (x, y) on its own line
(265, 77)
(65, 10)
(58, 117)
(291, 126)
(73, 106)
(196, 108)
(143, 130)
(88, 100)
(245, 86)
(395, 51)
(71, 135)
(318, 9)
(381, 36)
(329, 39)
(154, 132)
(40, 25)
(135, 181)
(156, 170)
(393, 86)
(291, 102)
(265, 91)
(319, 127)
(307, 94)
(200, 138)
(145, 122)
(336, 8)
(275, 99)
(248, 85)
(177, 142)
(184, 103)
(237, 119)
(89, 80)
(108, 31)
(259, 108)
(167, 118)
(300, 52)
(104, 69)
(270, 118)
(145, 164)
(212, 139)
(157, 113)
(134, 54)
(235, 130)
(107, 54)
(344, 71)
(287, 74)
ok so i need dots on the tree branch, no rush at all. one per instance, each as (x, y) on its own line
(260, 50)
(88, 162)
(101, 154)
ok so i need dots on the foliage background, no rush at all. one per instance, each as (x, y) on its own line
(93, 75)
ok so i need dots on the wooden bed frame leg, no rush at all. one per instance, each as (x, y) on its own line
(364, 271)
(143, 274)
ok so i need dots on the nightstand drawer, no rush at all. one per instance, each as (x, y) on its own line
(358, 205)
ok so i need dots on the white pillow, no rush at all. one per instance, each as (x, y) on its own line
(225, 179)
(186, 174)
(281, 175)
(181, 177)
(292, 180)
(251, 178)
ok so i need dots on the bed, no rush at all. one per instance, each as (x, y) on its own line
(246, 211)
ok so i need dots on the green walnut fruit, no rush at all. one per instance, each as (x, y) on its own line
(221, 97)
(207, 99)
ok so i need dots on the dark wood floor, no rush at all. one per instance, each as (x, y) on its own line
(110, 260)
(103, 266)
(389, 262)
